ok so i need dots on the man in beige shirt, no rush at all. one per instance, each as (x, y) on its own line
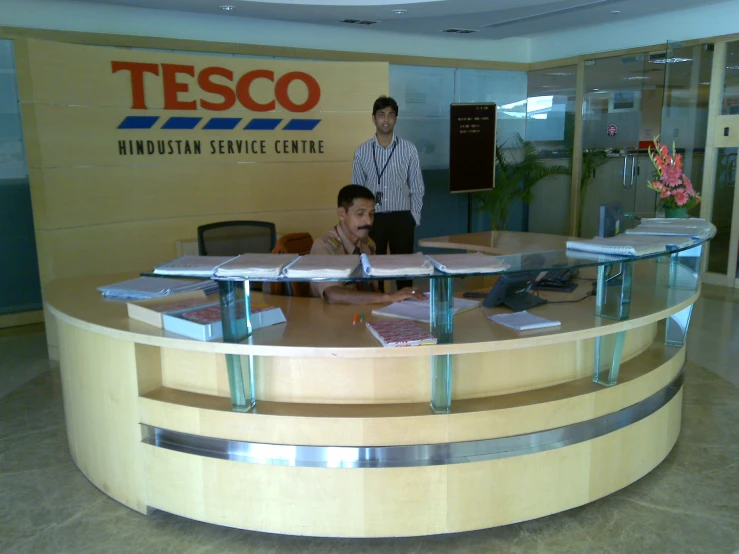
(356, 210)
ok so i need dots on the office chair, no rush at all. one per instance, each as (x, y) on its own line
(292, 243)
(230, 238)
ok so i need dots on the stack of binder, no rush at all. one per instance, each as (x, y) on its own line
(154, 287)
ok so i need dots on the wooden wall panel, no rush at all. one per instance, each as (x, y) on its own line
(81, 196)
(83, 136)
(138, 246)
(73, 75)
(98, 209)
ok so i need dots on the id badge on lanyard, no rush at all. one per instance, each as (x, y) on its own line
(380, 173)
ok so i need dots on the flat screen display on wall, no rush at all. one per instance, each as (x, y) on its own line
(472, 147)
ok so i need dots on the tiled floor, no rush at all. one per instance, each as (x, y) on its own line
(690, 503)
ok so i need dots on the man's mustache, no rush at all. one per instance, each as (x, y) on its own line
(365, 228)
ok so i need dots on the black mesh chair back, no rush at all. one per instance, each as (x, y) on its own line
(230, 238)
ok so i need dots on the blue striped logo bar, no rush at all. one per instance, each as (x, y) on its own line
(181, 123)
(262, 124)
(138, 122)
(222, 123)
(301, 125)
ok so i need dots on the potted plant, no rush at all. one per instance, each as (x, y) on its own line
(518, 170)
(675, 190)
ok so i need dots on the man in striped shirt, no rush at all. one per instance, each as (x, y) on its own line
(389, 167)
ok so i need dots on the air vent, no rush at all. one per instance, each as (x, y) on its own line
(359, 21)
(460, 31)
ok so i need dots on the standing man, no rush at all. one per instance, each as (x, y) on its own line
(389, 167)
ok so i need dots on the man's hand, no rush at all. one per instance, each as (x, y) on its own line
(407, 293)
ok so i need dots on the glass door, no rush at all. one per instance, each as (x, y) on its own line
(723, 258)
(621, 116)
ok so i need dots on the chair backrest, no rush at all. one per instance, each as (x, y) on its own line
(292, 243)
(229, 238)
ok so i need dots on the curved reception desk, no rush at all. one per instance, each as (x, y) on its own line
(342, 440)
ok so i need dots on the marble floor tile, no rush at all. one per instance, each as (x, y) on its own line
(22, 356)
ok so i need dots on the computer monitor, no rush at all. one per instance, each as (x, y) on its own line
(612, 219)
(512, 290)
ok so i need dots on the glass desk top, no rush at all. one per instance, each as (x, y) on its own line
(519, 263)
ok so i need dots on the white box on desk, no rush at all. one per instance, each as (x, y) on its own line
(261, 316)
(151, 310)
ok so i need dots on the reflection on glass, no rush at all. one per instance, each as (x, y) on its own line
(685, 109)
(423, 95)
(622, 108)
(730, 98)
(723, 202)
(506, 88)
(550, 125)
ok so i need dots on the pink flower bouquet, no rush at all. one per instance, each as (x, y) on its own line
(673, 186)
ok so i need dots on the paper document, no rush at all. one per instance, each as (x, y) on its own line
(195, 266)
(322, 266)
(523, 321)
(256, 266)
(394, 265)
(467, 263)
(691, 227)
(624, 245)
(153, 287)
(420, 310)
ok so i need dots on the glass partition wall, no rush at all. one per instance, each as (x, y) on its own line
(550, 126)
(622, 107)
(723, 257)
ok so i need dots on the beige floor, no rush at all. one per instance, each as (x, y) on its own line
(690, 503)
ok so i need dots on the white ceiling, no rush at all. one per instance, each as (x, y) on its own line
(492, 19)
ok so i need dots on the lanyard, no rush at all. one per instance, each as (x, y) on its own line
(384, 167)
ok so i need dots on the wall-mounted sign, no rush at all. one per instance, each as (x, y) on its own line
(612, 130)
(472, 147)
(119, 106)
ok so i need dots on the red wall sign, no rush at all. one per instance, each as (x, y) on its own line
(174, 84)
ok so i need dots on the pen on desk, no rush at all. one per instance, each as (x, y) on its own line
(361, 317)
(355, 320)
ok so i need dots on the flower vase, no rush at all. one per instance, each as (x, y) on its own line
(676, 213)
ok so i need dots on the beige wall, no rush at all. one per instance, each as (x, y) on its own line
(97, 210)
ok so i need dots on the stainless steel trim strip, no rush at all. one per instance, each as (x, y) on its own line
(414, 455)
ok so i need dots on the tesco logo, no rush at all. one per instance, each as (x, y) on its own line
(175, 82)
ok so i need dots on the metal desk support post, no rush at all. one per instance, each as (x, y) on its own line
(236, 317)
(442, 327)
(613, 302)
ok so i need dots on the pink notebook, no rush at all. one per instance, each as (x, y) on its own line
(400, 332)
(211, 314)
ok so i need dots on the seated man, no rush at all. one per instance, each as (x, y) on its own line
(356, 209)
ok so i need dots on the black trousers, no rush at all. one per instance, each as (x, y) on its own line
(397, 230)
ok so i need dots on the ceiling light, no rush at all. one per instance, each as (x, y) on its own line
(704, 83)
(732, 67)
(635, 78)
(227, 8)
(558, 74)
(400, 12)
(615, 12)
